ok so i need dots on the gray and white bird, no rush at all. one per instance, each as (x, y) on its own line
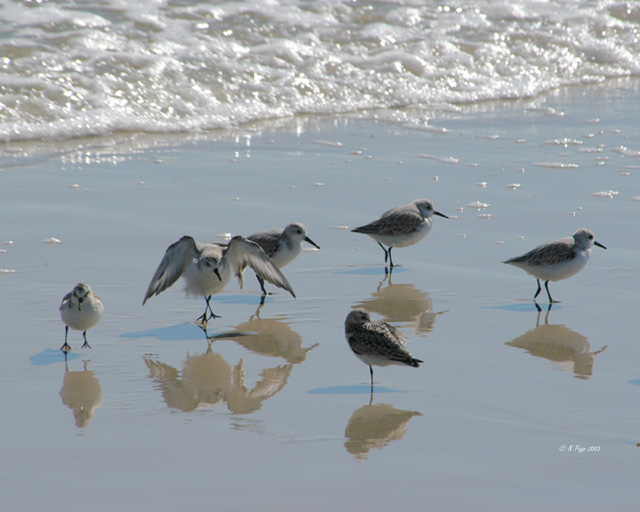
(80, 310)
(282, 245)
(557, 259)
(207, 268)
(401, 226)
(376, 342)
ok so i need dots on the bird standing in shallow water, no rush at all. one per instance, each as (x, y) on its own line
(207, 268)
(282, 245)
(376, 342)
(557, 259)
(401, 226)
(80, 310)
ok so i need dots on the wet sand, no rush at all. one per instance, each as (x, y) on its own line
(276, 413)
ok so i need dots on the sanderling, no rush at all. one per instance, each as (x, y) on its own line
(376, 342)
(557, 259)
(401, 226)
(282, 245)
(81, 309)
(207, 268)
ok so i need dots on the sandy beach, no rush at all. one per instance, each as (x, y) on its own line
(275, 414)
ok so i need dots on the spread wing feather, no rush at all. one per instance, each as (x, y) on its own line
(242, 252)
(172, 266)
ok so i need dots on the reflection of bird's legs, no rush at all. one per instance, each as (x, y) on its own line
(256, 315)
(66, 347)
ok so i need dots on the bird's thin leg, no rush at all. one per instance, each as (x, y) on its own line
(261, 281)
(86, 343)
(204, 318)
(386, 254)
(539, 289)
(546, 285)
(371, 372)
(390, 260)
(66, 347)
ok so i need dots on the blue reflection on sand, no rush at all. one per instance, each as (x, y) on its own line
(51, 356)
(184, 332)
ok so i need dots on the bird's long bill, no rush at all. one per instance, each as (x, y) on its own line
(217, 272)
(440, 214)
(308, 240)
(599, 244)
(80, 304)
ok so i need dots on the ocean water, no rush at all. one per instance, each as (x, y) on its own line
(84, 68)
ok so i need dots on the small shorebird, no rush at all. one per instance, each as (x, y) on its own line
(376, 342)
(207, 268)
(401, 226)
(80, 310)
(282, 245)
(557, 259)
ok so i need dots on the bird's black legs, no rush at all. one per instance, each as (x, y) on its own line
(86, 343)
(546, 285)
(261, 281)
(204, 317)
(66, 347)
(371, 372)
(539, 289)
(387, 254)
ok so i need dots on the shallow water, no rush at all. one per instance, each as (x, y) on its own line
(276, 413)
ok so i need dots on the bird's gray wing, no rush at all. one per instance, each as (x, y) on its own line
(379, 339)
(396, 223)
(387, 331)
(242, 252)
(175, 260)
(548, 253)
(268, 240)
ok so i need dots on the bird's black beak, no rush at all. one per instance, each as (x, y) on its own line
(80, 304)
(216, 272)
(440, 214)
(308, 240)
(599, 244)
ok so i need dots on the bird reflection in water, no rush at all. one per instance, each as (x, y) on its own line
(558, 344)
(81, 392)
(403, 304)
(207, 379)
(271, 337)
(375, 426)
